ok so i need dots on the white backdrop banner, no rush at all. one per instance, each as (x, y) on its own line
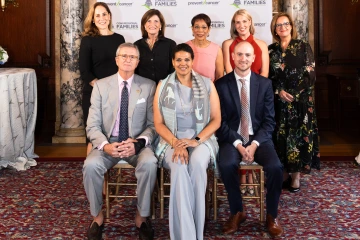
(127, 16)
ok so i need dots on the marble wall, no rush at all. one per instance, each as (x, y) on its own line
(298, 10)
(71, 83)
(69, 90)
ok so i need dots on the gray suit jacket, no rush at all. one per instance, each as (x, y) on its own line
(105, 104)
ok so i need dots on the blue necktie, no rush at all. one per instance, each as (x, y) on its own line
(124, 123)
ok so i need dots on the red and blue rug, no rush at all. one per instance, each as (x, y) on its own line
(49, 202)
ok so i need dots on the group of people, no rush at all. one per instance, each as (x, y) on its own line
(154, 103)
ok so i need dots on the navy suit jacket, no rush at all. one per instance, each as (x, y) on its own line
(261, 108)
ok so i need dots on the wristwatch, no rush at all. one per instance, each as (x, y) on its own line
(198, 140)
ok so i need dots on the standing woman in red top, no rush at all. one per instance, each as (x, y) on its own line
(242, 29)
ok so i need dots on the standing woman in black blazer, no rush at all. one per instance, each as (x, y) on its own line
(155, 49)
(97, 52)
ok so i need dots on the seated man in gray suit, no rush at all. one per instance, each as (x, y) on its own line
(120, 127)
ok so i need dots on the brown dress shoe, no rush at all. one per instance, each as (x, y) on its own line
(233, 223)
(273, 226)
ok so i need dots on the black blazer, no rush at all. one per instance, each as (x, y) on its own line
(261, 108)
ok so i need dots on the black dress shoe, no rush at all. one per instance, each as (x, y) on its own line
(146, 232)
(287, 182)
(95, 231)
(293, 190)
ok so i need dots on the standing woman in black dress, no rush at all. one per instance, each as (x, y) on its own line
(97, 52)
(155, 49)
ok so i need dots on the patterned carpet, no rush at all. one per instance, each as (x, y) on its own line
(49, 202)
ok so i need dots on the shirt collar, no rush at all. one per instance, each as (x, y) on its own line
(129, 81)
(247, 77)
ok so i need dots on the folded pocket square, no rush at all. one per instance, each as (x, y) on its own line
(140, 100)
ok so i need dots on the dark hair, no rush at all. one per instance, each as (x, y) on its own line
(147, 16)
(201, 16)
(90, 28)
(183, 47)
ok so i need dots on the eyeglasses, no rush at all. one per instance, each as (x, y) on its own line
(198, 28)
(285, 24)
(125, 57)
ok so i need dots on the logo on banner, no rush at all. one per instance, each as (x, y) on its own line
(122, 3)
(165, 3)
(237, 3)
(148, 4)
(259, 24)
(217, 24)
(127, 26)
(206, 3)
(173, 25)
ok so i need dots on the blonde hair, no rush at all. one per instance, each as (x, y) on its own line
(273, 26)
(90, 28)
(241, 12)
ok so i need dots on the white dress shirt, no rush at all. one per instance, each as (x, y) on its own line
(239, 84)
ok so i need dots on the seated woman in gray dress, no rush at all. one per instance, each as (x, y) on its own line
(186, 115)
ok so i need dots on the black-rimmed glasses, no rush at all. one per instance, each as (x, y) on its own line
(285, 24)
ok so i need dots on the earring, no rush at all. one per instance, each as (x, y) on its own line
(160, 29)
(208, 35)
(193, 34)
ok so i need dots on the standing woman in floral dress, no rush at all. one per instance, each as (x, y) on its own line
(292, 71)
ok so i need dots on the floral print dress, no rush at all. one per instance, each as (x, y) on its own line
(296, 133)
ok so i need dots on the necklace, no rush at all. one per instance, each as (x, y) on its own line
(182, 101)
(151, 44)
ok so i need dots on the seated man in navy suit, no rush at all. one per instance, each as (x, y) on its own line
(245, 134)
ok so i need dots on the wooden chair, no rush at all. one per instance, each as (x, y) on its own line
(118, 183)
(165, 183)
(258, 185)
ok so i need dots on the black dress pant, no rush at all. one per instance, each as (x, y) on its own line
(265, 155)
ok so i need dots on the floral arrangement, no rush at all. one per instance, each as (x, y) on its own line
(3, 56)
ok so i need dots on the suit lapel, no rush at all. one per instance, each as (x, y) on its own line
(254, 87)
(114, 98)
(234, 90)
(134, 96)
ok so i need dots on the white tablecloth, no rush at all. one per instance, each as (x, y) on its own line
(18, 108)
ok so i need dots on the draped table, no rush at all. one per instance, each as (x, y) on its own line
(18, 109)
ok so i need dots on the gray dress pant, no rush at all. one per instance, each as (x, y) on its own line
(98, 162)
(187, 194)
